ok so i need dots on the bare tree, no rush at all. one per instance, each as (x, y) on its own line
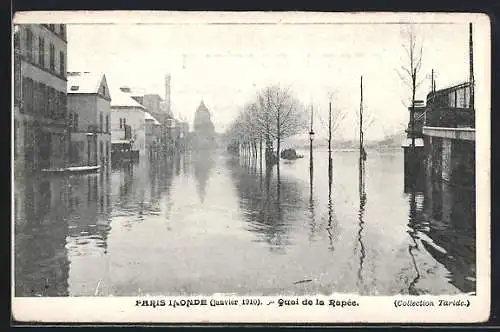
(410, 72)
(337, 117)
(286, 113)
(273, 115)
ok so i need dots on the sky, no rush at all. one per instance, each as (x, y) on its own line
(226, 64)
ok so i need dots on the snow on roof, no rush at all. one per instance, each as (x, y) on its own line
(148, 116)
(84, 82)
(123, 99)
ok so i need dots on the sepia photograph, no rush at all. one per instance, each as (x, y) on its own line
(270, 155)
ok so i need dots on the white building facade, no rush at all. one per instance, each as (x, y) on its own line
(126, 112)
(89, 112)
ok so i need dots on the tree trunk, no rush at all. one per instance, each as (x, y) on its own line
(278, 135)
(260, 161)
(414, 78)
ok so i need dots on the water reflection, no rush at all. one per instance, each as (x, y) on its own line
(203, 161)
(88, 202)
(361, 221)
(415, 225)
(270, 205)
(64, 217)
(95, 234)
(442, 221)
(41, 261)
(312, 206)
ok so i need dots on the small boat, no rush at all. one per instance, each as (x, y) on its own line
(83, 169)
(73, 169)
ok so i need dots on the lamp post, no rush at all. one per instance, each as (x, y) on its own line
(311, 138)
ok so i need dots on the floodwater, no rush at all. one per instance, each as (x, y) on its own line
(209, 223)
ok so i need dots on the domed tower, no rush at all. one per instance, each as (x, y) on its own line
(203, 127)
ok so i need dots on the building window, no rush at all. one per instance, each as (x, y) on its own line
(52, 27)
(41, 51)
(467, 97)
(461, 98)
(52, 57)
(62, 63)
(100, 122)
(107, 123)
(452, 99)
(104, 91)
(63, 31)
(17, 39)
(75, 118)
(29, 44)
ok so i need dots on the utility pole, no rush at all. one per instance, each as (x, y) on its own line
(361, 149)
(471, 67)
(311, 138)
(330, 142)
(432, 80)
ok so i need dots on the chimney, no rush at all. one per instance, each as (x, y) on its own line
(471, 67)
(167, 92)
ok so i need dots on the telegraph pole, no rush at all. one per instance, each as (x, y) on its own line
(311, 138)
(471, 67)
(361, 122)
(330, 142)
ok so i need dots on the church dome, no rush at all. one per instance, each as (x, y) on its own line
(202, 121)
(202, 108)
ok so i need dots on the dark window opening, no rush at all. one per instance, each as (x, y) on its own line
(41, 51)
(29, 44)
(52, 57)
(62, 63)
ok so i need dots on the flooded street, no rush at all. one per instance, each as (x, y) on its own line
(203, 224)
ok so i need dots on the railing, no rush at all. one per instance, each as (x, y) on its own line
(450, 117)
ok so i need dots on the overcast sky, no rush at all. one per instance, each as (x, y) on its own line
(225, 64)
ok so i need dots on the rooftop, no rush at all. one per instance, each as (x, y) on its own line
(84, 82)
(148, 116)
(123, 99)
(202, 107)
